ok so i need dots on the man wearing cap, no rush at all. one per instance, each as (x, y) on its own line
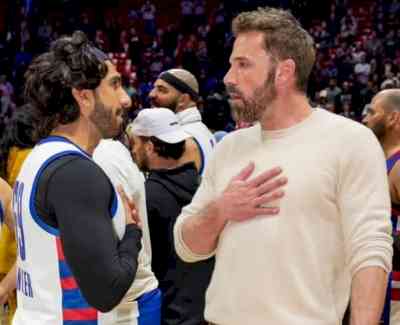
(178, 90)
(158, 144)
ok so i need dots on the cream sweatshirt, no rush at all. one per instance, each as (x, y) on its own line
(296, 268)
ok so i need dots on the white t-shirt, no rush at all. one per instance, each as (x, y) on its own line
(116, 161)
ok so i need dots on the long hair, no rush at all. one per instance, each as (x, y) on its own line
(71, 63)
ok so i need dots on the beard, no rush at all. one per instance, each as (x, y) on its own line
(251, 109)
(171, 105)
(142, 161)
(106, 121)
(379, 130)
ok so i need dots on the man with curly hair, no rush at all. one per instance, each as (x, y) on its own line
(78, 237)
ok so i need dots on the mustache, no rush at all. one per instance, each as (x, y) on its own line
(233, 91)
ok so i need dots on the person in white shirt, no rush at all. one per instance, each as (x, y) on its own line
(116, 161)
(178, 90)
(330, 238)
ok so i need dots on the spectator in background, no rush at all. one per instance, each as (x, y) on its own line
(148, 12)
(332, 91)
(178, 90)
(187, 10)
(7, 282)
(44, 33)
(122, 171)
(383, 119)
(362, 70)
(16, 141)
(200, 12)
(158, 143)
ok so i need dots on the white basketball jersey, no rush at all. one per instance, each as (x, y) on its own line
(47, 291)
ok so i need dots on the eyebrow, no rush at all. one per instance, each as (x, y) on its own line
(116, 78)
(239, 58)
(161, 87)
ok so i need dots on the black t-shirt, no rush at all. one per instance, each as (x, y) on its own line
(74, 195)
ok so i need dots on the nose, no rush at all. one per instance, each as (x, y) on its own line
(152, 93)
(229, 77)
(126, 101)
(365, 120)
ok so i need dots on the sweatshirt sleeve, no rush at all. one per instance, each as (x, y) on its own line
(364, 203)
(204, 195)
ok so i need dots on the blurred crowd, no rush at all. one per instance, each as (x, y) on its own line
(357, 41)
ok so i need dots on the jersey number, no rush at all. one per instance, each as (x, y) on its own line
(17, 208)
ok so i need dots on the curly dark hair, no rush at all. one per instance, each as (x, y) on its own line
(19, 131)
(72, 62)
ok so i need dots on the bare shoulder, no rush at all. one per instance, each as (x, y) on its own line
(192, 153)
(5, 191)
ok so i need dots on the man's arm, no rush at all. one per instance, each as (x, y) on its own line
(196, 236)
(192, 153)
(364, 204)
(369, 282)
(103, 265)
(6, 197)
(8, 284)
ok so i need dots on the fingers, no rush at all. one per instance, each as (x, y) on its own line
(245, 173)
(265, 176)
(130, 208)
(267, 211)
(136, 218)
(122, 194)
(268, 187)
(125, 198)
(268, 198)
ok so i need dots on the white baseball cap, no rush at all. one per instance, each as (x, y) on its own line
(160, 123)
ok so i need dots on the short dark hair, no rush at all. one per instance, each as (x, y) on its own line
(166, 150)
(72, 62)
(284, 38)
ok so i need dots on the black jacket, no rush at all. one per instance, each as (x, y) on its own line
(183, 284)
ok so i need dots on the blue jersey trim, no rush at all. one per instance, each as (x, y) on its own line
(114, 205)
(65, 271)
(202, 163)
(73, 299)
(57, 138)
(150, 308)
(36, 217)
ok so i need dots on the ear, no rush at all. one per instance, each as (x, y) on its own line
(149, 147)
(83, 97)
(285, 73)
(393, 119)
(183, 101)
